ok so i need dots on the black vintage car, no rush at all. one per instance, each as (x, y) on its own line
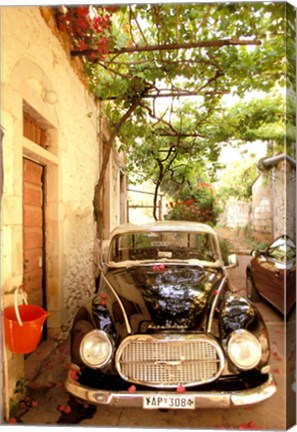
(164, 329)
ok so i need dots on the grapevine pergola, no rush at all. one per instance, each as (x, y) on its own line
(189, 54)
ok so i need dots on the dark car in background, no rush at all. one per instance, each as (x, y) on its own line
(164, 329)
(271, 274)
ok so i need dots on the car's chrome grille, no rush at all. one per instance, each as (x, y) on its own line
(169, 361)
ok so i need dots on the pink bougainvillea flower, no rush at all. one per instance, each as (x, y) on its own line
(103, 296)
(67, 409)
(155, 268)
(252, 425)
(180, 389)
(103, 302)
(82, 45)
(61, 408)
(204, 185)
(81, 24)
(62, 26)
(216, 292)
(249, 408)
(161, 267)
(73, 374)
(189, 202)
(12, 420)
(277, 356)
(132, 389)
(82, 10)
(112, 8)
(97, 20)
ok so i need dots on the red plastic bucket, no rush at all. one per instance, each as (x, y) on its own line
(23, 335)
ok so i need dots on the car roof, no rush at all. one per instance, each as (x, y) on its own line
(182, 226)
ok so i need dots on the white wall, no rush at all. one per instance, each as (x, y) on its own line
(32, 60)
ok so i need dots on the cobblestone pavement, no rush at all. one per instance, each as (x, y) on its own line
(47, 402)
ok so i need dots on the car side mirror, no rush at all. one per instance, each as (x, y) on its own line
(232, 261)
(255, 253)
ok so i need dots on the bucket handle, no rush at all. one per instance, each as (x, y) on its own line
(24, 300)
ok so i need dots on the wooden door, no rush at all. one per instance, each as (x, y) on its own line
(33, 232)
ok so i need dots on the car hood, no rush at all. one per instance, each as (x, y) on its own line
(166, 297)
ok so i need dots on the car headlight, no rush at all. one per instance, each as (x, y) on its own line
(244, 349)
(96, 349)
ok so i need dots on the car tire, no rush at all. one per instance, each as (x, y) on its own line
(251, 291)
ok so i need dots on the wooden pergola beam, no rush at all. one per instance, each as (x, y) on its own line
(217, 43)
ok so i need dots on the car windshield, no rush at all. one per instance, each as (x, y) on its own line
(167, 246)
(282, 250)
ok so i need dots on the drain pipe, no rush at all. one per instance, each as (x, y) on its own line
(266, 163)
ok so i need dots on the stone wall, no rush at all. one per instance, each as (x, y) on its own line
(274, 203)
(34, 62)
(272, 210)
(71, 157)
(262, 208)
(236, 214)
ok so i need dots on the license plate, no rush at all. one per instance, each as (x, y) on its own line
(168, 402)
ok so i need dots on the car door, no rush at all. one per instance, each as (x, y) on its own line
(290, 274)
(269, 279)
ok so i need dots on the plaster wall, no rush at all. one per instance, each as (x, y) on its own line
(33, 60)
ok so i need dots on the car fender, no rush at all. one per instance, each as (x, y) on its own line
(237, 312)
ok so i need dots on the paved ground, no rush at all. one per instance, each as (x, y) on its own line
(47, 402)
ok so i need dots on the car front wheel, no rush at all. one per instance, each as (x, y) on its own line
(251, 291)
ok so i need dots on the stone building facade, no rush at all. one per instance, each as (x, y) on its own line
(272, 209)
(52, 150)
(274, 199)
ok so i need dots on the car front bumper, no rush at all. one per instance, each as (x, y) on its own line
(203, 399)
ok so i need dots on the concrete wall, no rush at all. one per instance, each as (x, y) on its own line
(34, 61)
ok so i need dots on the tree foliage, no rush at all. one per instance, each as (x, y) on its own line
(259, 118)
(163, 69)
(237, 180)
